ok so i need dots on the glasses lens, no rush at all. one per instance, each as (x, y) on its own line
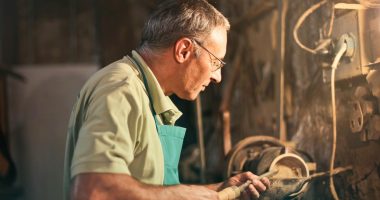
(216, 64)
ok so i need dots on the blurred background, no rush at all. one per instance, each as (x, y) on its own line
(273, 105)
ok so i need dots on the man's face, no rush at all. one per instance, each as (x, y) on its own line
(203, 69)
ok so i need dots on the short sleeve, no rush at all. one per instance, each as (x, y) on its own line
(109, 133)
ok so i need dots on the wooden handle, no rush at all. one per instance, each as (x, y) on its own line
(229, 193)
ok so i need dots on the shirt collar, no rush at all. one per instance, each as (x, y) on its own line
(162, 104)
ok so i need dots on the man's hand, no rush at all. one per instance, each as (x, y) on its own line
(253, 190)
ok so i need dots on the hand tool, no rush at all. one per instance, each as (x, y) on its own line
(233, 192)
(303, 181)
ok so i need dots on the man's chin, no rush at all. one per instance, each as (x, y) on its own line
(190, 96)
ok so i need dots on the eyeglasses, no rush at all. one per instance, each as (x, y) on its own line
(216, 62)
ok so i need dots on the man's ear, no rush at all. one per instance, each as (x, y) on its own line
(183, 49)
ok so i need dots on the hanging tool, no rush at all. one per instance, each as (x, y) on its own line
(233, 192)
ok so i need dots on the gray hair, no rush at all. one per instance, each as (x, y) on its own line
(174, 19)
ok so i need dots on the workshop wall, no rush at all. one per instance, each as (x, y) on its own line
(307, 98)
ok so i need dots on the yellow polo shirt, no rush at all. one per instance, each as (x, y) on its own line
(112, 129)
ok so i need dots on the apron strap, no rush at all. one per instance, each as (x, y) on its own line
(145, 81)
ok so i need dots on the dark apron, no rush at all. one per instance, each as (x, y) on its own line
(171, 138)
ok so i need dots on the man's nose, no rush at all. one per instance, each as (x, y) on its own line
(216, 76)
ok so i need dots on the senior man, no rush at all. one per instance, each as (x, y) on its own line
(122, 142)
